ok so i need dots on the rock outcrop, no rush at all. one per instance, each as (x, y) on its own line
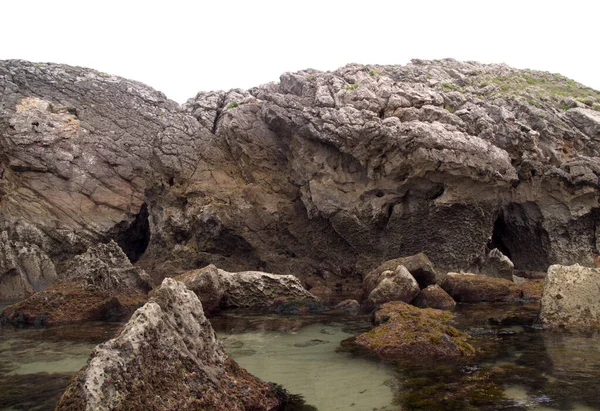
(167, 357)
(409, 334)
(100, 284)
(324, 175)
(218, 288)
(570, 297)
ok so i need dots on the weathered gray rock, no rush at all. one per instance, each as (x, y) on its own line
(397, 285)
(434, 296)
(106, 267)
(166, 357)
(570, 297)
(341, 170)
(24, 269)
(497, 265)
(217, 288)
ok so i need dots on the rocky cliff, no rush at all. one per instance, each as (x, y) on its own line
(323, 175)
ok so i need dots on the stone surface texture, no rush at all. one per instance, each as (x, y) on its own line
(570, 297)
(217, 288)
(167, 357)
(323, 175)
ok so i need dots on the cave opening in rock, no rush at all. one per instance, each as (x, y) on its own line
(135, 238)
(519, 234)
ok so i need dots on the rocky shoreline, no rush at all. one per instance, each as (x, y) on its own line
(369, 188)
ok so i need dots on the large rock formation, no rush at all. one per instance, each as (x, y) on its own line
(570, 297)
(323, 175)
(167, 357)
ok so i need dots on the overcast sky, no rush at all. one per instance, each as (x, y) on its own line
(182, 47)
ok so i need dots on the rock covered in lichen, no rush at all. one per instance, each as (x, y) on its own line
(570, 297)
(406, 333)
(166, 357)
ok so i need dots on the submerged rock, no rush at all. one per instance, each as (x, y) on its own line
(570, 297)
(433, 296)
(474, 288)
(248, 289)
(100, 284)
(166, 357)
(409, 334)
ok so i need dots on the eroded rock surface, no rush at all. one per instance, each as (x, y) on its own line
(570, 297)
(100, 284)
(167, 357)
(218, 288)
(323, 175)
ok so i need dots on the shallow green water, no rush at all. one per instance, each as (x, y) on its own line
(522, 367)
(36, 364)
(306, 362)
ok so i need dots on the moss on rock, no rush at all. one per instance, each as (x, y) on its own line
(406, 333)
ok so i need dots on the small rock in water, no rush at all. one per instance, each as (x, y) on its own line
(311, 343)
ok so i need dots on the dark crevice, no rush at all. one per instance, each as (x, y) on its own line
(134, 239)
(519, 234)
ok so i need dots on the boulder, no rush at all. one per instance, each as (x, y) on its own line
(475, 288)
(409, 334)
(166, 357)
(246, 289)
(418, 265)
(100, 284)
(434, 296)
(24, 269)
(397, 285)
(497, 265)
(570, 297)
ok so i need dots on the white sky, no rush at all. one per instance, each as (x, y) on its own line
(182, 47)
